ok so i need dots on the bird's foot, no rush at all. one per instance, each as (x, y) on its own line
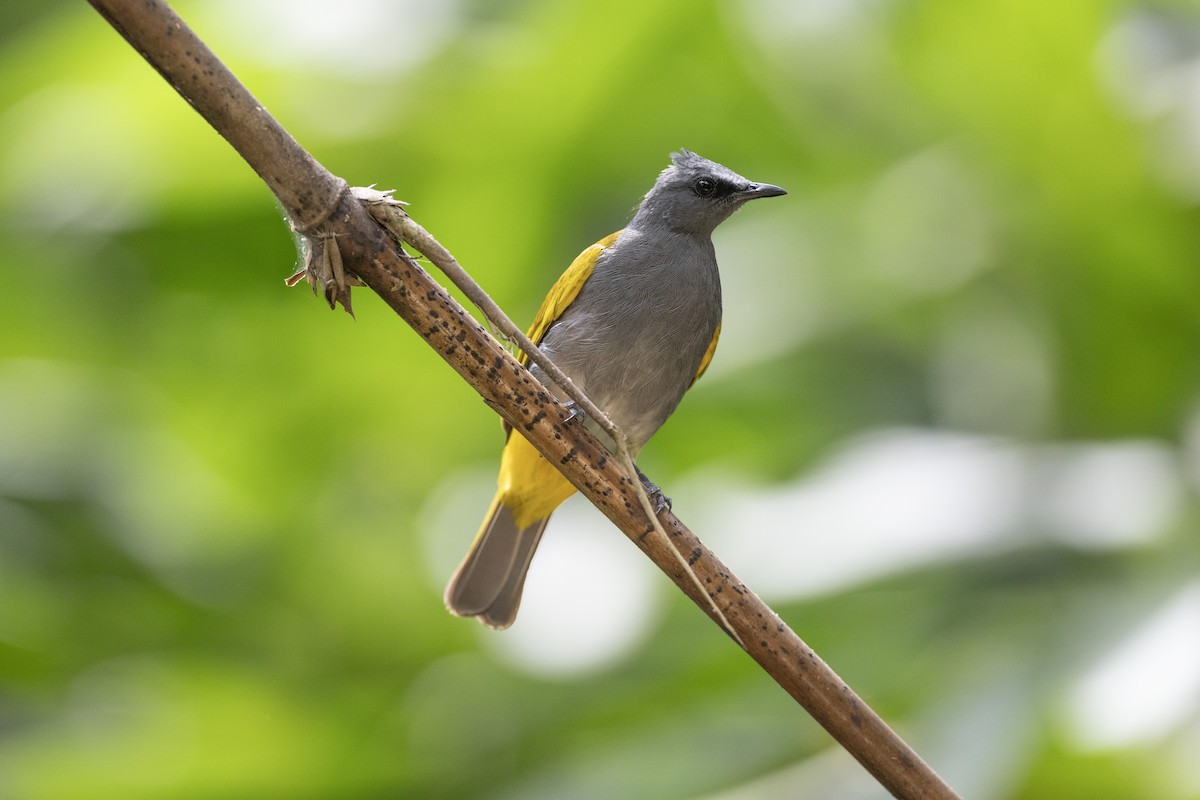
(656, 495)
(574, 412)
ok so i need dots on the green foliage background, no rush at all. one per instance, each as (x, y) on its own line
(224, 511)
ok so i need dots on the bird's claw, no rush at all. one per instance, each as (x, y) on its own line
(574, 412)
(656, 495)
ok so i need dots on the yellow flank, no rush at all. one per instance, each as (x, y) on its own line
(529, 484)
(708, 355)
(565, 290)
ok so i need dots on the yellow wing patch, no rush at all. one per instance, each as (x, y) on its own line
(565, 290)
(708, 355)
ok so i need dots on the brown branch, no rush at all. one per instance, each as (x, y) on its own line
(312, 197)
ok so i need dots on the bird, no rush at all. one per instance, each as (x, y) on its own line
(633, 322)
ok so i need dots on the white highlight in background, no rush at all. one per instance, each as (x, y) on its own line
(1148, 685)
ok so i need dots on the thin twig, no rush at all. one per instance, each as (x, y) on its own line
(307, 190)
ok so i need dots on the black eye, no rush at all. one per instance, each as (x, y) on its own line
(704, 186)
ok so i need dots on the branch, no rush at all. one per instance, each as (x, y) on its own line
(316, 199)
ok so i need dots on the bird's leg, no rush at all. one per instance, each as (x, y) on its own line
(659, 499)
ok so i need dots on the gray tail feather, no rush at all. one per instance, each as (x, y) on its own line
(488, 583)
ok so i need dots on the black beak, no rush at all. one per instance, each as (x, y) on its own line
(760, 190)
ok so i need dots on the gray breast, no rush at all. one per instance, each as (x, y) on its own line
(634, 337)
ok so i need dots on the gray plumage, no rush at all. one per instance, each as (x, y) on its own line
(634, 337)
(632, 340)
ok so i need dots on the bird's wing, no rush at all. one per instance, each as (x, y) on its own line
(708, 355)
(564, 291)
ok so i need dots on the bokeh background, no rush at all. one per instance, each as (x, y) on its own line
(952, 432)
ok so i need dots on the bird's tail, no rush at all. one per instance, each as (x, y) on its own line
(488, 583)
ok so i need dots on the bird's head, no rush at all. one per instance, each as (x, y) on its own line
(695, 195)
